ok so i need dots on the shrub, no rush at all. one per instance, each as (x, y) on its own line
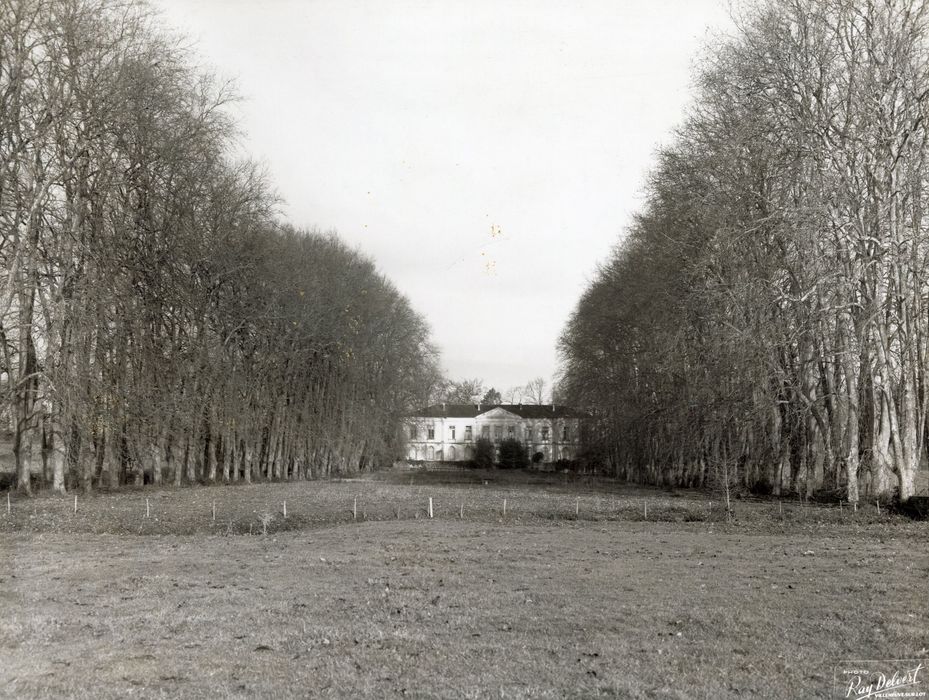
(513, 454)
(483, 454)
(571, 465)
(538, 457)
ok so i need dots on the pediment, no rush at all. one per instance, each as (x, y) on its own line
(498, 413)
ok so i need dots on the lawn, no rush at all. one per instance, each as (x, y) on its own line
(575, 592)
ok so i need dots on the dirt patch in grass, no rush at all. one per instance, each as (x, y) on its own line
(534, 604)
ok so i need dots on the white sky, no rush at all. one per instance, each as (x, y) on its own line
(417, 129)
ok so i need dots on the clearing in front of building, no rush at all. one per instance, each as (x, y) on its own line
(580, 589)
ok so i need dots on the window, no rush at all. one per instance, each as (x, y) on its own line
(564, 434)
(468, 435)
(430, 432)
(414, 433)
(528, 433)
(451, 432)
(485, 431)
(545, 432)
(498, 432)
(511, 431)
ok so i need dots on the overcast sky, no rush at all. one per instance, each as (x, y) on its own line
(486, 154)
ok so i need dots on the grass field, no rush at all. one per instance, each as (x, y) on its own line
(575, 592)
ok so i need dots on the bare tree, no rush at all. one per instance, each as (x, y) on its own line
(157, 322)
(465, 391)
(535, 391)
(768, 305)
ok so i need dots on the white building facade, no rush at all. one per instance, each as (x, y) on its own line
(447, 432)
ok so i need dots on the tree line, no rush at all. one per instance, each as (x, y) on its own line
(158, 322)
(534, 392)
(766, 316)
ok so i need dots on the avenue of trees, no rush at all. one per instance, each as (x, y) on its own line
(766, 316)
(157, 321)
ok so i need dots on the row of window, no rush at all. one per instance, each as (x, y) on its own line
(485, 432)
(429, 452)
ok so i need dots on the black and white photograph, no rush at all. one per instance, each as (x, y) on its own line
(464, 349)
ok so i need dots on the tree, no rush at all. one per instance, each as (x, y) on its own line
(465, 391)
(534, 391)
(157, 321)
(491, 397)
(513, 454)
(767, 308)
(484, 454)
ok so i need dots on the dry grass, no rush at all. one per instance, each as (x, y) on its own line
(536, 604)
(404, 495)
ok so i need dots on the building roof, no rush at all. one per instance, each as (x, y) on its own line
(471, 410)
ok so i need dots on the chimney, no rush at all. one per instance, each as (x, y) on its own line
(443, 407)
(478, 408)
